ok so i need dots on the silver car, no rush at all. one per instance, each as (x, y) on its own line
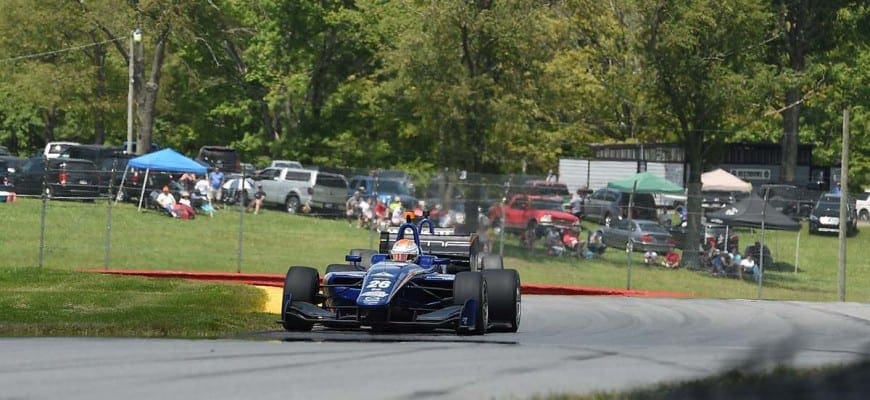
(643, 235)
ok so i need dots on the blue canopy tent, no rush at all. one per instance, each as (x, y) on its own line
(164, 160)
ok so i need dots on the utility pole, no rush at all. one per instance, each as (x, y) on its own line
(844, 197)
(135, 37)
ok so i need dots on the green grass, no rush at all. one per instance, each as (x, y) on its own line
(274, 240)
(50, 302)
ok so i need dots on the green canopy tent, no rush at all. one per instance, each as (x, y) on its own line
(646, 182)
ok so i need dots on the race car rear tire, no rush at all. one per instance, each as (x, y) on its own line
(366, 255)
(491, 261)
(339, 268)
(471, 285)
(505, 299)
(301, 284)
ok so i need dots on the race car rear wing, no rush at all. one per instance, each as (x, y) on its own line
(461, 250)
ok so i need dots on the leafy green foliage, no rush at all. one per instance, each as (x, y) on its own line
(487, 86)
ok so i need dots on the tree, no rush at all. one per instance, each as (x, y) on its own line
(700, 54)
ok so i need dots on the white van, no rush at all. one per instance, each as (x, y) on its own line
(55, 149)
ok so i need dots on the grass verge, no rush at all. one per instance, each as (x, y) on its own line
(49, 302)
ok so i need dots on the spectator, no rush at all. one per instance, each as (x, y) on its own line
(351, 207)
(381, 214)
(594, 244)
(166, 200)
(721, 262)
(551, 176)
(665, 219)
(187, 180)
(577, 204)
(185, 199)
(216, 180)
(650, 257)
(259, 197)
(671, 260)
(183, 209)
(365, 213)
(483, 232)
(747, 265)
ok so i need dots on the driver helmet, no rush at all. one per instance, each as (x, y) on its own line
(405, 250)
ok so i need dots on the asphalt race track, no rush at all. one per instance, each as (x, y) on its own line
(565, 344)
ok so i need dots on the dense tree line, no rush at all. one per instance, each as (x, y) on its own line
(485, 85)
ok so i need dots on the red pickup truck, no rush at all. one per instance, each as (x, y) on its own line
(523, 212)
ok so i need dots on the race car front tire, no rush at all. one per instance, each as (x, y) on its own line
(505, 299)
(300, 284)
(471, 285)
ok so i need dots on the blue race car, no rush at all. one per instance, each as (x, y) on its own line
(448, 285)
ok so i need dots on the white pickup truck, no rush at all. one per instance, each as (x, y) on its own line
(862, 206)
(296, 189)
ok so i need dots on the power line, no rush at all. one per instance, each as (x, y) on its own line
(53, 52)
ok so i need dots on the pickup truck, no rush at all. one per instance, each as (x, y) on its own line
(286, 187)
(539, 213)
(862, 205)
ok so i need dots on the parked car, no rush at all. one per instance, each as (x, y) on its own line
(711, 234)
(789, 199)
(55, 149)
(716, 199)
(64, 177)
(285, 164)
(294, 188)
(862, 206)
(642, 235)
(606, 205)
(524, 213)
(825, 217)
(221, 157)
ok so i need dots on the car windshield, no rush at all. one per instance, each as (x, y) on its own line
(651, 227)
(546, 205)
(392, 187)
(827, 206)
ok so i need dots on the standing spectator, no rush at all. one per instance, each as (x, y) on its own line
(577, 204)
(259, 197)
(216, 180)
(365, 213)
(551, 177)
(187, 180)
(351, 207)
(166, 200)
(381, 213)
(483, 232)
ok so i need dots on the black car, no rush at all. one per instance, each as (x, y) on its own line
(791, 200)
(63, 178)
(825, 217)
(221, 157)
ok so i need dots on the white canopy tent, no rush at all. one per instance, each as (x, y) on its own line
(721, 180)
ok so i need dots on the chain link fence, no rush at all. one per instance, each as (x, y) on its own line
(103, 227)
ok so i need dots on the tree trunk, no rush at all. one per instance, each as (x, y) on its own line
(146, 99)
(694, 141)
(790, 123)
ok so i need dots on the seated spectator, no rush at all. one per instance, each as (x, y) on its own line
(259, 197)
(747, 265)
(650, 257)
(166, 201)
(671, 260)
(594, 244)
(720, 262)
